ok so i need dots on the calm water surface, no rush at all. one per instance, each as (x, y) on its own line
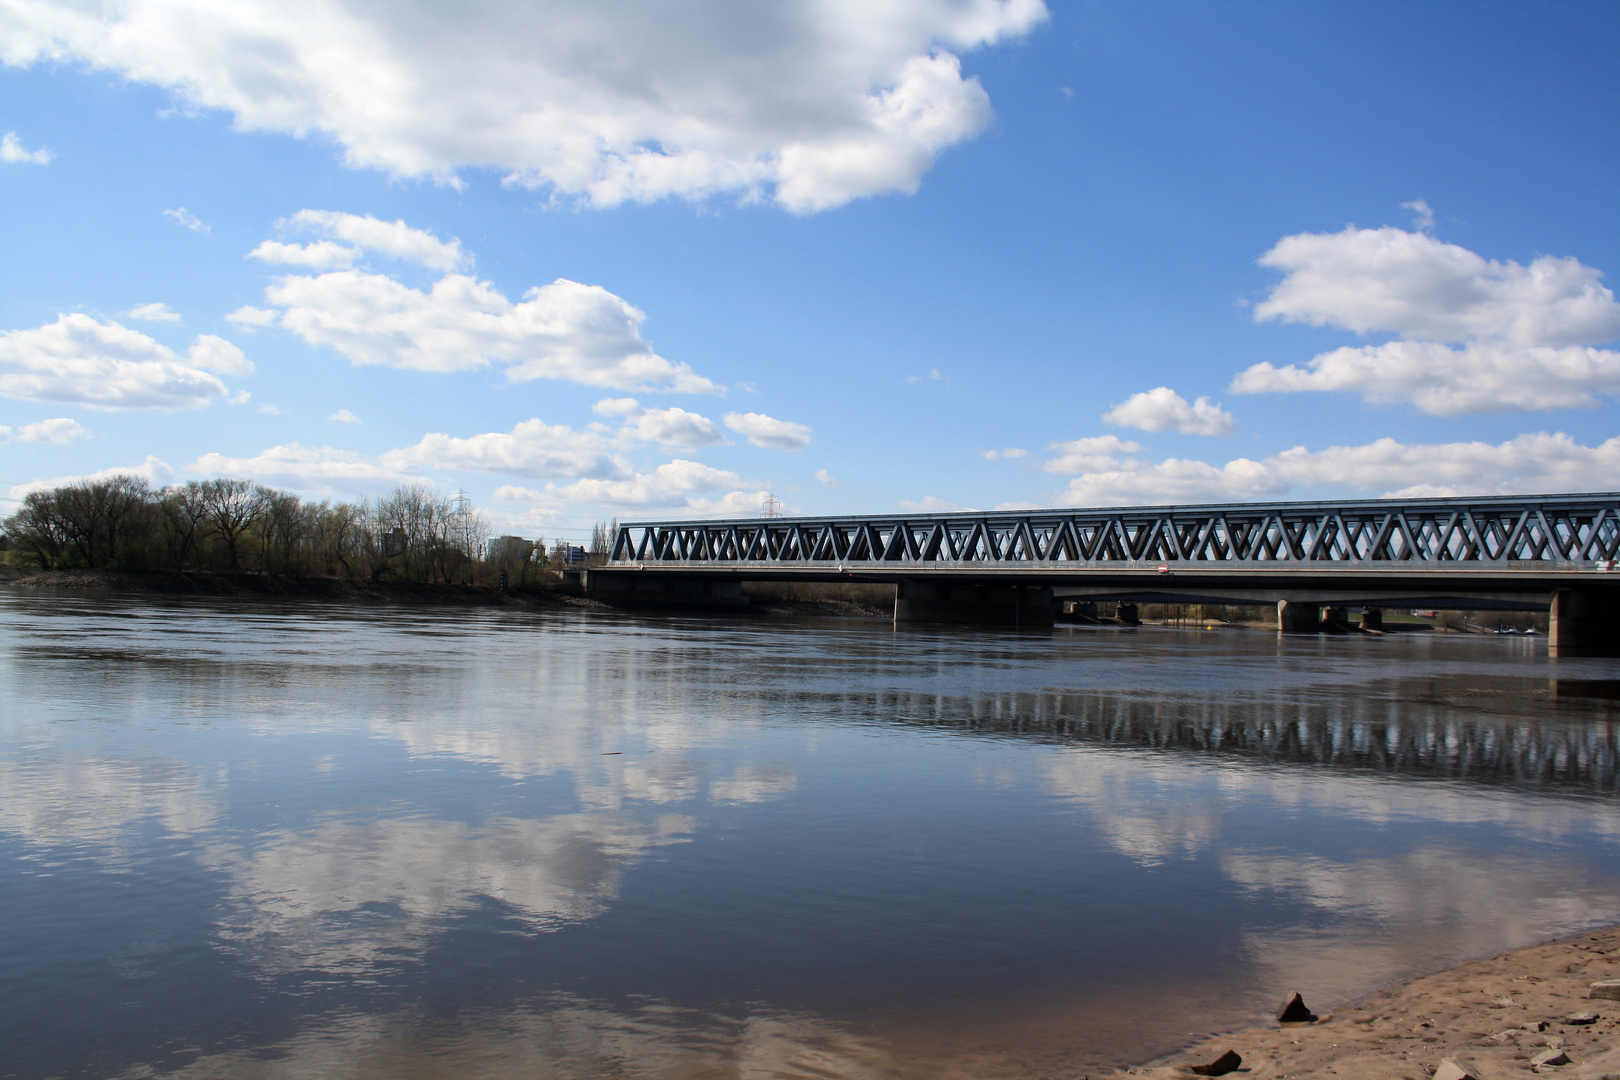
(318, 841)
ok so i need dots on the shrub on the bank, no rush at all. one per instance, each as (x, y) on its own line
(123, 523)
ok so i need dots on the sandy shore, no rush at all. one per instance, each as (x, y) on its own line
(1494, 1016)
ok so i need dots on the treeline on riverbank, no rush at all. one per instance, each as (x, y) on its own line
(413, 534)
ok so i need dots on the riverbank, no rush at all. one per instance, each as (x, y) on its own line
(1493, 1016)
(348, 590)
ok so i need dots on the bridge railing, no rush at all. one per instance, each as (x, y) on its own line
(1536, 530)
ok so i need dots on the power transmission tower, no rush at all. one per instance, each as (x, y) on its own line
(773, 506)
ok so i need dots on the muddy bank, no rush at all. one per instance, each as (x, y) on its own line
(269, 587)
(1497, 1018)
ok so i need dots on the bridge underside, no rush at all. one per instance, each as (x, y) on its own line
(1585, 613)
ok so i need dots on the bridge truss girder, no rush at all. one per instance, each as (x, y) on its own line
(1534, 532)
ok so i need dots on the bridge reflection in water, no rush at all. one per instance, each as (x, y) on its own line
(1577, 754)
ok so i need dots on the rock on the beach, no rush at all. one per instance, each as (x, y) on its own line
(1581, 1019)
(1456, 1069)
(1550, 1057)
(1608, 989)
(1227, 1062)
(1293, 1011)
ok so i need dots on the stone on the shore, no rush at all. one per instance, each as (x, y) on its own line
(1581, 1019)
(1607, 989)
(1227, 1062)
(1536, 1025)
(1456, 1069)
(1552, 1057)
(1293, 1011)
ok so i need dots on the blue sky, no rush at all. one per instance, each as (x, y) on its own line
(953, 253)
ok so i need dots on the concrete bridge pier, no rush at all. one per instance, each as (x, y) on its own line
(1299, 616)
(990, 605)
(1584, 622)
(667, 591)
(1335, 619)
(1372, 619)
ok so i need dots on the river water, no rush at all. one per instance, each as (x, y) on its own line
(316, 841)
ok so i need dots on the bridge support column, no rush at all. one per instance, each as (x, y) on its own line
(1299, 616)
(1077, 611)
(989, 605)
(1128, 615)
(1335, 619)
(679, 593)
(1372, 619)
(1584, 622)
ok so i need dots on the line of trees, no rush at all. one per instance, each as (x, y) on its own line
(123, 523)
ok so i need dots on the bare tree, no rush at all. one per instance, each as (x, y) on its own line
(100, 514)
(185, 519)
(602, 536)
(284, 527)
(409, 524)
(337, 535)
(39, 530)
(232, 506)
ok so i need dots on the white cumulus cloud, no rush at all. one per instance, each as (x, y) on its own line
(672, 427)
(153, 470)
(1529, 464)
(13, 152)
(668, 427)
(811, 103)
(344, 416)
(215, 354)
(1446, 381)
(532, 448)
(249, 317)
(321, 470)
(1472, 335)
(104, 365)
(669, 485)
(674, 485)
(1162, 409)
(769, 432)
(319, 255)
(1079, 455)
(153, 313)
(358, 235)
(59, 431)
(827, 479)
(565, 330)
(393, 238)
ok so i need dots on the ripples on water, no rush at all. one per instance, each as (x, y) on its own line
(316, 841)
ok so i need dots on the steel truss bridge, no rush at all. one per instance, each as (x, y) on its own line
(1494, 552)
(1549, 531)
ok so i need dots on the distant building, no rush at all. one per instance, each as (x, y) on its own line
(576, 556)
(510, 549)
